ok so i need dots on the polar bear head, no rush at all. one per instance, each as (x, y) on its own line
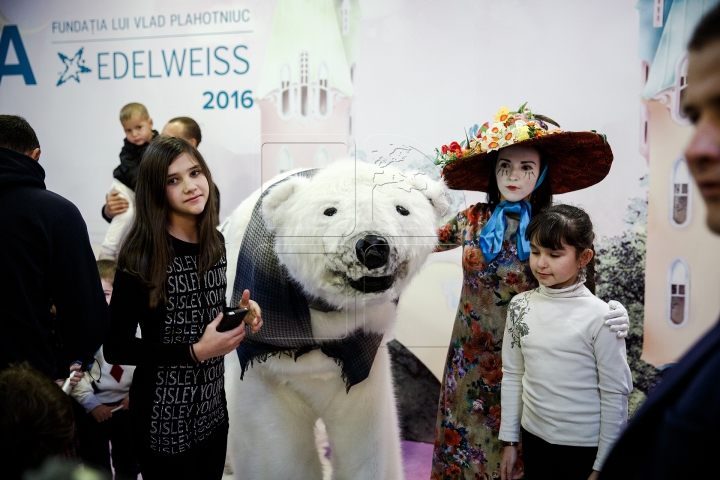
(354, 231)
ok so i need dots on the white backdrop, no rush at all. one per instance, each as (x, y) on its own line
(426, 69)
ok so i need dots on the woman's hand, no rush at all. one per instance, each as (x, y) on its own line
(507, 464)
(594, 475)
(617, 319)
(252, 318)
(216, 344)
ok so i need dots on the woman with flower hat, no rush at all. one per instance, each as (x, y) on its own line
(520, 162)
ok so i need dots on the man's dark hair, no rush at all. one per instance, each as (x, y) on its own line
(192, 129)
(17, 134)
(36, 419)
(707, 31)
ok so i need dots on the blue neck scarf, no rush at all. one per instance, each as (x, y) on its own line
(493, 233)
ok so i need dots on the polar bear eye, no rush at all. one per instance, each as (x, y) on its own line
(402, 210)
(330, 211)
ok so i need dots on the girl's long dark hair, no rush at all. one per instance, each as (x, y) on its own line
(567, 224)
(147, 249)
(540, 199)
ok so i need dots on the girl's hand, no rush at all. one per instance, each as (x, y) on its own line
(507, 465)
(594, 475)
(216, 344)
(252, 318)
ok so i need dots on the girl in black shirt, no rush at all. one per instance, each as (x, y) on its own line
(171, 281)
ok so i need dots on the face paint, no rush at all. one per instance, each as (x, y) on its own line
(516, 172)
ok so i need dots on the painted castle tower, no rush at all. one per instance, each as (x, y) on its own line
(681, 279)
(306, 89)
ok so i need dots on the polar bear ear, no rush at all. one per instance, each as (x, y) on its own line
(279, 194)
(435, 192)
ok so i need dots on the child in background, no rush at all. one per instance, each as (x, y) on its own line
(104, 393)
(138, 127)
(36, 420)
(565, 378)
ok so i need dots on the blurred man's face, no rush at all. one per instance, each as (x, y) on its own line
(702, 104)
(177, 129)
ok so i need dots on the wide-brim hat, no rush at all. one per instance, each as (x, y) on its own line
(576, 160)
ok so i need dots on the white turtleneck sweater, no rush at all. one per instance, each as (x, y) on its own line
(564, 374)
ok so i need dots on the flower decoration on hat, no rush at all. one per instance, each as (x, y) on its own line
(507, 128)
(575, 159)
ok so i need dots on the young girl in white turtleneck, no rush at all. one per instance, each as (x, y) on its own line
(565, 379)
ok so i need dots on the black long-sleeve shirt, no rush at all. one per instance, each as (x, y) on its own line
(175, 401)
(46, 259)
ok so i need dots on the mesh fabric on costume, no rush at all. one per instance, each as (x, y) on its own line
(285, 312)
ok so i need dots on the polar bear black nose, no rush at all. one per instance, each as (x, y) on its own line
(372, 251)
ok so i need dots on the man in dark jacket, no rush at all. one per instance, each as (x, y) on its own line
(46, 260)
(676, 432)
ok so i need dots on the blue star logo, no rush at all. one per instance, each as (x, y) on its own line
(73, 67)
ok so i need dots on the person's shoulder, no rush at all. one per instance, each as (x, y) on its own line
(125, 277)
(478, 207)
(521, 298)
(59, 207)
(595, 303)
(477, 213)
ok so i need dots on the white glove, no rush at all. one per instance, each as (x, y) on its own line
(617, 319)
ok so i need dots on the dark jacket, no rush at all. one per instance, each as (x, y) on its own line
(46, 259)
(675, 433)
(130, 157)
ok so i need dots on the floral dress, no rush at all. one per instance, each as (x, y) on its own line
(466, 434)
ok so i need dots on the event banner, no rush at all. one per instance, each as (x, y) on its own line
(278, 85)
(369, 74)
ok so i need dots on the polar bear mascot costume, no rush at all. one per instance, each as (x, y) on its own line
(326, 253)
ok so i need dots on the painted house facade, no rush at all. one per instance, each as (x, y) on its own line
(681, 275)
(306, 94)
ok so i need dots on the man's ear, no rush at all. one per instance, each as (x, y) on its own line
(193, 142)
(35, 154)
(280, 193)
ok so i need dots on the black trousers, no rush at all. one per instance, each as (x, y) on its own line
(545, 460)
(205, 460)
(94, 443)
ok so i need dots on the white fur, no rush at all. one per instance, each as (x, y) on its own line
(274, 409)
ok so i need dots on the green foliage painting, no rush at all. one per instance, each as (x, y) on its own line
(621, 276)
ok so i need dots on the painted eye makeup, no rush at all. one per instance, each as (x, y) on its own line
(503, 169)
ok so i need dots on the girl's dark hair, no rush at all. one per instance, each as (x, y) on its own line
(567, 224)
(540, 199)
(147, 249)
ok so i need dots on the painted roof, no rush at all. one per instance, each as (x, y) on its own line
(351, 41)
(681, 21)
(650, 35)
(305, 26)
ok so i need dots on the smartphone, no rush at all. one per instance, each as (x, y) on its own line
(232, 318)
